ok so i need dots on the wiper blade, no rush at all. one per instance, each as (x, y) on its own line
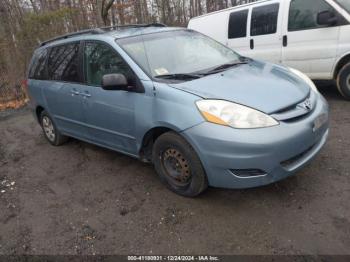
(182, 76)
(245, 59)
(225, 66)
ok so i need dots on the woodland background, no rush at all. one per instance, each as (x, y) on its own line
(25, 23)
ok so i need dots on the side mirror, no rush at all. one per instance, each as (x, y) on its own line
(115, 82)
(326, 18)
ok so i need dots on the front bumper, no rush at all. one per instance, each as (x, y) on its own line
(276, 152)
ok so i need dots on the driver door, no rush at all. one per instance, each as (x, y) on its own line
(109, 113)
(308, 46)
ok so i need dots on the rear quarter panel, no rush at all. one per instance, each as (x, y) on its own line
(344, 44)
(36, 96)
(214, 25)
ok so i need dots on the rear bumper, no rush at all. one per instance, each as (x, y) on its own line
(235, 158)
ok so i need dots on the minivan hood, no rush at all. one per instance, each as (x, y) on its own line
(263, 86)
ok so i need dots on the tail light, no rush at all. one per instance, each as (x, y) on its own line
(25, 83)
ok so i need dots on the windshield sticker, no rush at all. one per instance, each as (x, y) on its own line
(161, 71)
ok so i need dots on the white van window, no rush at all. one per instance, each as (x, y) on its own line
(264, 20)
(237, 25)
(303, 14)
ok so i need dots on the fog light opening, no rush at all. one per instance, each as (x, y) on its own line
(246, 173)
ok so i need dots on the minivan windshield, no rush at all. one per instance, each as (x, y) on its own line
(180, 52)
(345, 4)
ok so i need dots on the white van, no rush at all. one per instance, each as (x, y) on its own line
(312, 36)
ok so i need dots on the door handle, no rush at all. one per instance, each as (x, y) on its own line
(285, 40)
(74, 92)
(251, 43)
(85, 95)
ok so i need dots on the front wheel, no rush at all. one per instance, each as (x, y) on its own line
(343, 81)
(178, 165)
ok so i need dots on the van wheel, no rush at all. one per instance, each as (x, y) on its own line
(50, 130)
(178, 165)
(343, 81)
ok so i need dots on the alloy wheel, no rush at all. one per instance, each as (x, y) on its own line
(49, 129)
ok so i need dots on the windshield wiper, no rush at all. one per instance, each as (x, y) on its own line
(181, 76)
(225, 66)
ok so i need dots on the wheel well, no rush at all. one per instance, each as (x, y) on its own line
(341, 63)
(148, 140)
(38, 111)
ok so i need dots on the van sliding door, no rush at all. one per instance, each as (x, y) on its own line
(265, 39)
(237, 31)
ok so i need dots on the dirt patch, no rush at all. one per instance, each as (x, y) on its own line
(13, 104)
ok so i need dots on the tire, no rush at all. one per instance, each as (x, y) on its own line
(178, 165)
(343, 81)
(50, 130)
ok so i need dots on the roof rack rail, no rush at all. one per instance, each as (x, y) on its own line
(100, 30)
(115, 27)
(83, 32)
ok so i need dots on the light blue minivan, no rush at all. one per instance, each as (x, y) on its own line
(201, 113)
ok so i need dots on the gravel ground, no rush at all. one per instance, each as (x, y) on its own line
(82, 199)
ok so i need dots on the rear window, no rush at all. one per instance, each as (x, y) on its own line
(237, 26)
(63, 63)
(38, 66)
(264, 20)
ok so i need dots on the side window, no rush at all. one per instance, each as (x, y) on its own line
(303, 14)
(38, 66)
(237, 25)
(63, 63)
(264, 20)
(99, 60)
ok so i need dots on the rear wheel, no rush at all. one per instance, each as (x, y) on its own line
(343, 81)
(178, 165)
(50, 130)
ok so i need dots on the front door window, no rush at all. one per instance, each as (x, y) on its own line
(100, 59)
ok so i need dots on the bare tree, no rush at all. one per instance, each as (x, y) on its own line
(106, 5)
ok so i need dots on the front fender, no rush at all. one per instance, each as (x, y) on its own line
(165, 107)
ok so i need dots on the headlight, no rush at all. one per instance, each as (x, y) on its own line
(305, 78)
(230, 114)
